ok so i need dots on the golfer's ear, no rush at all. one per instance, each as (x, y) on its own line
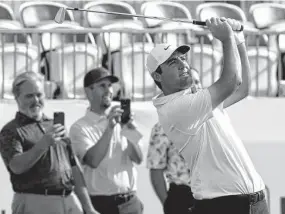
(156, 76)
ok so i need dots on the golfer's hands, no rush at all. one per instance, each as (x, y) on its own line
(114, 116)
(235, 25)
(220, 29)
(53, 135)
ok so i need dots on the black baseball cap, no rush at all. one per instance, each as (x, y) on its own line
(98, 74)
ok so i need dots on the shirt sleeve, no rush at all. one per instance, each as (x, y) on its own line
(187, 112)
(80, 141)
(10, 145)
(157, 150)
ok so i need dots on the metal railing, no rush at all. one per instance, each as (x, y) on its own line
(65, 55)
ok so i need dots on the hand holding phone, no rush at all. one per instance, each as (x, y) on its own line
(59, 118)
(126, 106)
(52, 135)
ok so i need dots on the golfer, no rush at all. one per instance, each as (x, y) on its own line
(223, 178)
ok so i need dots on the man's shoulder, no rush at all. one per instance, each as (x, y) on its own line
(10, 126)
(83, 124)
(9, 131)
(157, 129)
(161, 100)
(158, 136)
(83, 121)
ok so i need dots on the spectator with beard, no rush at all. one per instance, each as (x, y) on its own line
(107, 156)
(38, 155)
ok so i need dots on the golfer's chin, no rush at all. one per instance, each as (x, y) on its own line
(36, 115)
(185, 86)
(185, 83)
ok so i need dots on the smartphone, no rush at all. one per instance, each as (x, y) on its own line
(59, 117)
(126, 106)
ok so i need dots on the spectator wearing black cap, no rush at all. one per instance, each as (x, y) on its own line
(107, 156)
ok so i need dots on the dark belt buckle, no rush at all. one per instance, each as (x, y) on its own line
(118, 198)
(128, 197)
(122, 198)
(254, 198)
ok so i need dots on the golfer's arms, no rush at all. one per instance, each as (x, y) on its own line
(243, 90)
(158, 184)
(230, 78)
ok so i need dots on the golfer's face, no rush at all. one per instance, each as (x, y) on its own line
(176, 73)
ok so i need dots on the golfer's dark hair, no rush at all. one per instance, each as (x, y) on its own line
(159, 71)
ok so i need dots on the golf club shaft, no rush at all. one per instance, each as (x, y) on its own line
(195, 22)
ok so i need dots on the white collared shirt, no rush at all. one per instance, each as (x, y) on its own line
(216, 156)
(116, 173)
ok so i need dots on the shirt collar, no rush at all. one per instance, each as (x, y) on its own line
(24, 119)
(161, 99)
(94, 116)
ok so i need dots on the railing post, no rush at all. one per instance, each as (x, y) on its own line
(179, 31)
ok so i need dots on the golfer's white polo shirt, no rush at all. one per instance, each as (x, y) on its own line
(116, 173)
(217, 158)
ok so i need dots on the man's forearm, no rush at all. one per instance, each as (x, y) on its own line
(246, 80)
(232, 65)
(96, 153)
(158, 184)
(135, 153)
(23, 162)
(243, 89)
(81, 190)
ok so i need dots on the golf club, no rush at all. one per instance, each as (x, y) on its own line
(60, 16)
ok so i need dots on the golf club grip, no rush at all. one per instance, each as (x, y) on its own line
(195, 22)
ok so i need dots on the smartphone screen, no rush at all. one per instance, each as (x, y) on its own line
(58, 117)
(126, 106)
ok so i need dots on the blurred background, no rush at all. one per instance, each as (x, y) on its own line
(63, 53)
(31, 40)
